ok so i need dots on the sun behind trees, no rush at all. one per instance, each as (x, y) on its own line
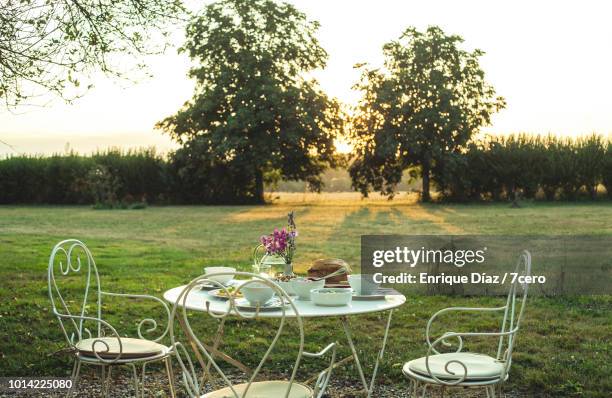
(427, 102)
(256, 118)
(254, 115)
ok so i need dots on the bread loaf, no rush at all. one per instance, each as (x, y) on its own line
(324, 267)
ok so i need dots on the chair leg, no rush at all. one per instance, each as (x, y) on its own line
(136, 381)
(413, 388)
(103, 380)
(424, 390)
(106, 380)
(74, 377)
(142, 385)
(170, 373)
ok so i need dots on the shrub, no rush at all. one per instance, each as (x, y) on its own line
(607, 170)
(198, 178)
(451, 178)
(141, 173)
(522, 165)
(104, 187)
(590, 156)
(516, 162)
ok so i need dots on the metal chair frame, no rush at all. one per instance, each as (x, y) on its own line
(205, 354)
(67, 255)
(507, 335)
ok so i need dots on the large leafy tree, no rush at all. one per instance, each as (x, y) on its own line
(55, 45)
(426, 102)
(254, 111)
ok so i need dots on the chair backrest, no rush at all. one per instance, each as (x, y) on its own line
(72, 261)
(513, 312)
(192, 354)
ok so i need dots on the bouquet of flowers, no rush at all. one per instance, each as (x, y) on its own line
(282, 241)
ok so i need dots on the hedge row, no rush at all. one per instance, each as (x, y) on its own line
(120, 179)
(528, 167)
(73, 179)
(498, 168)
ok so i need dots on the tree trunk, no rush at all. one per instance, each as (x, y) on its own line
(515, 204)
(259, 187)
(593, 191)
(425, 196)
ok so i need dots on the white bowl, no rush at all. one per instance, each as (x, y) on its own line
(257, 293)
(223, 279)
(363, 285)
(331, 297)
(303, 286)
(286, 286)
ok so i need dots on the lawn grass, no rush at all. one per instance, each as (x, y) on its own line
(562, 350)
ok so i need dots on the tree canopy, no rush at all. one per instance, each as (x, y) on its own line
(52, 46)
(255, 111)
(427, 101)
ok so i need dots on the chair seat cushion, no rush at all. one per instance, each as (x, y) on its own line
(130, 348)
(479, 366)
(264, 389)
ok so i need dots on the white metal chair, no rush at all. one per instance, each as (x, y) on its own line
(464, 369)
(197, 359)
(80, 313)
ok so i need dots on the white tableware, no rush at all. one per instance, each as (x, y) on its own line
(368, 297)
(223, 279)
(331, 297)
(380, 294)
(303, 286)
(257, 293)
(286, 286)
(271, 305)
(210, 285)
(362, 284)
(222, 293)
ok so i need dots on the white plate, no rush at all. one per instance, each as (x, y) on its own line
(368, 297)
(379, 294)
(214, 286)
(219, 293)
(271, 305)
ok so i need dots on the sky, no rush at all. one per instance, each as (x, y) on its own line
(551, 60)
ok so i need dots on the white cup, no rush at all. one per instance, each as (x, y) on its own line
(363, 284)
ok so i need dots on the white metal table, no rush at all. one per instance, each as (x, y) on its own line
(198, 300)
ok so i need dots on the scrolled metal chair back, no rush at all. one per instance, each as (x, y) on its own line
(513, 312)
(71, 258)
(193, 354)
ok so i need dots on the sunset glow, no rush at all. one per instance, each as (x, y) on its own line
(553, 72)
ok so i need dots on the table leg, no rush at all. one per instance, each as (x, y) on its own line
(369, 389)
(354, 351)
(214, 351)
(337, 364)
(381, 353)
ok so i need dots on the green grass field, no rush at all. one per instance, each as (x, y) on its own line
(562, 350)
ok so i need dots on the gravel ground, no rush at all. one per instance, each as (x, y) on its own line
(157, 387)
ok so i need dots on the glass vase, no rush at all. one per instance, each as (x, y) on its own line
(288, 270)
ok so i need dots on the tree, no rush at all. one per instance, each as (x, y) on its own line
(427, 102)
(254, 110)
(50, 46)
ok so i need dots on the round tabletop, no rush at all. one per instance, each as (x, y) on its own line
(196, 300)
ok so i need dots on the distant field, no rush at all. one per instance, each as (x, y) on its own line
(563, 349)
